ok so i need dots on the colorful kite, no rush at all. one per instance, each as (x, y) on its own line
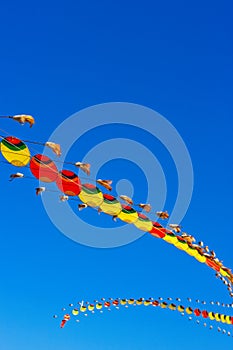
(69, 184)
(195, 313)
(16, 152)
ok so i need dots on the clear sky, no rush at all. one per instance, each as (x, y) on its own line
(58, 57)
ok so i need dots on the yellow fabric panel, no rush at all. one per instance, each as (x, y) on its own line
(228, 319)
(172, 307)
(181, 246)
(111, 208)
(92, 200)
(75, 312)
(223, 272)
(83, 308)
(192, 252)
(147, 302)
(99, 306)
(170, 239)
(144, 225)
(188, 311)
(163, 305)
(222, 318)
(130, 218)
(17, 158)
(91, 307)
(211, 316)
(200, 258)
(180, 308)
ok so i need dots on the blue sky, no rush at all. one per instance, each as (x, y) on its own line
(60, 57)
